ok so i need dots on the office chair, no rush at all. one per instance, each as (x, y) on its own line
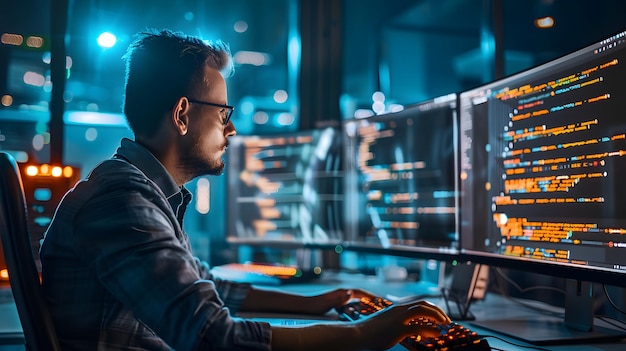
(39, 332)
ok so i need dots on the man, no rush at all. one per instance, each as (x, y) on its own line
(118, 272)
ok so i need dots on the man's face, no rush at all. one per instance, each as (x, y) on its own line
(206, 142)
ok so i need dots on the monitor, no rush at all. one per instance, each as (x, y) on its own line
(285, 189)
(399, 187)
(542, 172)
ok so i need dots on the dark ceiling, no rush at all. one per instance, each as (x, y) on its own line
(97, 74)
(577, 22)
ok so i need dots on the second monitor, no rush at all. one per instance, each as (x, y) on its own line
(285, 189)
(400, 179)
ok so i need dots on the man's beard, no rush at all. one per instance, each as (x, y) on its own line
(195, 165)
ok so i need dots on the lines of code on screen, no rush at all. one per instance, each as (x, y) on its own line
(400, 187)
(285, 188)
(543, 161)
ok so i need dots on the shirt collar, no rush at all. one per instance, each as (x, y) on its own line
(143, 159)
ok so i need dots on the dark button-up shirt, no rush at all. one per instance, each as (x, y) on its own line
(118, 272)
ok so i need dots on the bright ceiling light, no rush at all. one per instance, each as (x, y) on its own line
(544, 22)
(106, 40)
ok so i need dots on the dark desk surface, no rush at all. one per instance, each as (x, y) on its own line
(493, 307)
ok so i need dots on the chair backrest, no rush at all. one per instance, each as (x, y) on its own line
(35, 318)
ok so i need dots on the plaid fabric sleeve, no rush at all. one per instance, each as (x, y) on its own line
(231, 293)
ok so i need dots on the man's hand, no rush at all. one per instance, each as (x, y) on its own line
(385, 323)
(380, 331)
(324, 302)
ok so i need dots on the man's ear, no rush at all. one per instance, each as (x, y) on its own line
(179, 115)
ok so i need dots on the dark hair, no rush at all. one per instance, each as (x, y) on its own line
(161, 67)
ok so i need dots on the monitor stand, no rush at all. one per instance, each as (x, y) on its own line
(577, 325)
(468, 284)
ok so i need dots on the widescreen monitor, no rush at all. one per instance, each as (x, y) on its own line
(285, 189)
(542, 174)
(400, 196)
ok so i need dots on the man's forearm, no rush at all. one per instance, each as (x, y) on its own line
(316, 337)
(274, 301)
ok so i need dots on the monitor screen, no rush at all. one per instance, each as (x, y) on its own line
(285, 189)
(542, 168)
(400, 180)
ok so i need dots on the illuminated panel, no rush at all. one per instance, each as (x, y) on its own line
(542, 162)
(285, 188)
(400, 184)
(4, 273)
(44, 187)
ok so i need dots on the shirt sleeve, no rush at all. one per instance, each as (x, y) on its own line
(130, 239)
(232, 293)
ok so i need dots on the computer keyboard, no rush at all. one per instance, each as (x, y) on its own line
(452, 337)
(365, 306)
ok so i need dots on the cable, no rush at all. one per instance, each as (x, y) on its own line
(608, 297)
(609, 320)
(524, 290)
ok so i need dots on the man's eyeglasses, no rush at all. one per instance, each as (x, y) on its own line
(229, 109)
